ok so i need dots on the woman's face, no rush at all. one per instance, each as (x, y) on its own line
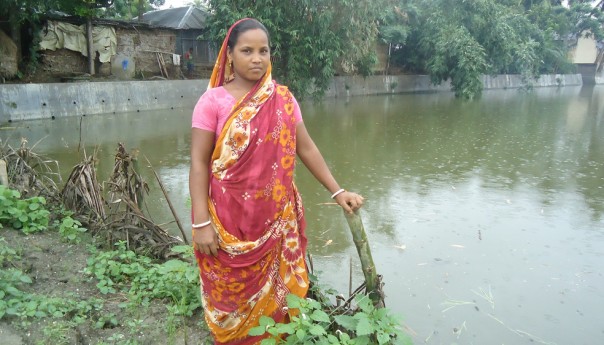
(251, 55)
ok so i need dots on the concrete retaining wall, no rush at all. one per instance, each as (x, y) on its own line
(356, 85)
(514, 81)
(38, 101)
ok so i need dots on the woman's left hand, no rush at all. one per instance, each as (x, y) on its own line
(349, 201)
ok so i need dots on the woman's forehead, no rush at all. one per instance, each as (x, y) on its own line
(252, 36)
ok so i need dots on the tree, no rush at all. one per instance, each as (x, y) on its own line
(310, 39)
(29, 12)
(201, 4)
(461, 41)
(19, 12)
(121, 9)
(128, 9)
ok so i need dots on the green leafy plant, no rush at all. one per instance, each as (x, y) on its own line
(143, 279)
(106, 321)
(57, 333)
(7, 254)
(310, 324)
(70, 229)
(16, 302)
(12, 299)
(371, 325)
(27, 215)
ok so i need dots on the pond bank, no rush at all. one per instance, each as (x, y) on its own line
(49, 101)
(57, 269)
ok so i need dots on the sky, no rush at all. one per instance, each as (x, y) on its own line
(174, 3)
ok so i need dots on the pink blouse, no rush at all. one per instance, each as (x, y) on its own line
(214, 107)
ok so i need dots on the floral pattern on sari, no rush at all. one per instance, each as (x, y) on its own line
(258, 215)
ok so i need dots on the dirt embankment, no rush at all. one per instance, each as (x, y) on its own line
(56, 269)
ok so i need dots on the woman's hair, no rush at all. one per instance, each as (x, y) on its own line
(243, 26)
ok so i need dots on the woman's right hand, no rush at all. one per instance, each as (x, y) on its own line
(350, 201)
(206, 240)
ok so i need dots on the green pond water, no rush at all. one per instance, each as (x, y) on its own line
(486, 218)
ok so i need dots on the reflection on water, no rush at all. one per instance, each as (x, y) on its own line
(485, 218)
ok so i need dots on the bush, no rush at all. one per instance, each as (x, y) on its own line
(142, 279)
(311, 325)
(27, 215)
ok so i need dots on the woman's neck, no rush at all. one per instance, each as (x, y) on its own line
(239, 88)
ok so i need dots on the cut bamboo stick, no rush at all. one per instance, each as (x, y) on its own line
(163, 189)
(374, 288)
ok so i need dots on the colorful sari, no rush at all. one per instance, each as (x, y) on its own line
(257, 212)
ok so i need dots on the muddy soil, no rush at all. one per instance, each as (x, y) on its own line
(56, 268)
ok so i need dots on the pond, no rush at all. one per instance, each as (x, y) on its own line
(486, 218)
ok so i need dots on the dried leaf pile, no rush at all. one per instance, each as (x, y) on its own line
(30, 173)
(112, 210)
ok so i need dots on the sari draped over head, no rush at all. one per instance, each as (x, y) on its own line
(256, 211)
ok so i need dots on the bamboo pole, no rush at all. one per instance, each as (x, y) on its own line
(374, 289)
(163, 64)
(161, 71)
(163, 189)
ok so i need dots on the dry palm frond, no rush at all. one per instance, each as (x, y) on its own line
(125, 179)
(147, 234)
(126, 220)
(82, 192)
(121, 218)
(30, 173)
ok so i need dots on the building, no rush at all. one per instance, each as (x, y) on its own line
(189, 23)
(151, 48)
(588, 55)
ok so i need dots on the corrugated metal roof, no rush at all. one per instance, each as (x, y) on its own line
(177, 18)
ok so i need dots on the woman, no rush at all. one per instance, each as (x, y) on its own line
(248, 224)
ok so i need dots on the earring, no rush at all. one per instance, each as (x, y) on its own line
(230, 71)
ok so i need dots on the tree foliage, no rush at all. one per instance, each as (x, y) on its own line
(30, 13)
(31, 10)
(128, 9)
(311, 40)
(461, 41)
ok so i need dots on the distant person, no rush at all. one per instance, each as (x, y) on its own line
(189, 61)
(248, 220)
